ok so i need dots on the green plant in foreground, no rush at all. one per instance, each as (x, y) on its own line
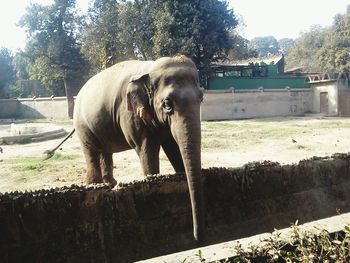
(301, 247)
(324, 247)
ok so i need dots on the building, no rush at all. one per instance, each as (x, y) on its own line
(262, 88)
(260, 73)
(331, 93)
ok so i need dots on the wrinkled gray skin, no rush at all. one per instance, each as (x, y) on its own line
(144, 105)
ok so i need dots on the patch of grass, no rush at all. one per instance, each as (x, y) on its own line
(27, 164)
(244, 129)
(35, 173)
(220, 125)
(38, 164)
(61, 157)
(237, 134)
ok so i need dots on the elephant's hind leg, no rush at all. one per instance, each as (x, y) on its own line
(93, 173)
(107, 169)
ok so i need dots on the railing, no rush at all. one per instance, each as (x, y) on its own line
(315, 78)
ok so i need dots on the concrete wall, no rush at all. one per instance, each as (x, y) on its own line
(225, 105)
(329, 87)
(344, 98)
(217, 105)
(9, 108)
(28, 108)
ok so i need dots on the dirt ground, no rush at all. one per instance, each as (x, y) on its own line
(224, 144)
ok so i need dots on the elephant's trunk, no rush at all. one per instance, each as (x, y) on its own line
(187, 133)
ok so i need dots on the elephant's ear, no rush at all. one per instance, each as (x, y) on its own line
(138, 98)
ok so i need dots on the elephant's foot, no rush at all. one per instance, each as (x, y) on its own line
(110, 181)
(93, 179)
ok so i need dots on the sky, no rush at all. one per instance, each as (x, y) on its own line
(285, 18)
(11, 11)
(279, 18)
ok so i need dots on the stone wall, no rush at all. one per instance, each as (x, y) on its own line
(153, 217)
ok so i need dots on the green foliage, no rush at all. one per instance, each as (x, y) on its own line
(20, 63)
(144, 29)
(265, 45)
(198, 29)
(239, 48)
(304, 53)
(23, 86)
(324, 49)
(118, 31)
(63, 46)
(302, 247)
(285, 44)
(48, 75)
(53, 49)
(7, 73)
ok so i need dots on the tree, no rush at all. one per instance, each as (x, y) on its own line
(304, 53)
(145, 29)
(7, 74)
(197, 28)
(137, 21)
(285, 44)
(102, 42)
(324, 49)
(53, 47)
(239, 48)
(334, 55)
(21, 87)
(267, 45)
(117, 31)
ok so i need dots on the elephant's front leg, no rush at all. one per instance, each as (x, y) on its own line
(148, 153)
(172, 151)
(107, 168)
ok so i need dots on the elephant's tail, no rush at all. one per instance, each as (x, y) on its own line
(49, 153)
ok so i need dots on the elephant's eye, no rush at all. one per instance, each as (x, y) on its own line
(167, 106)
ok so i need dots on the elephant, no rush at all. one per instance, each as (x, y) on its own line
(144, 105)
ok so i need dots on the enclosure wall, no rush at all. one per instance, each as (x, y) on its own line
(33, 108)
(153, 217)
(232, 104)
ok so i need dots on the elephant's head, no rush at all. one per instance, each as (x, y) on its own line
(169, 95)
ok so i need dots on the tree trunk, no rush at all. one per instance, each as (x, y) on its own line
(70, 99)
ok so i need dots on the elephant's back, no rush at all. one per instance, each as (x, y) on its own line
(114, 77)
(99, 99)
(103, 89)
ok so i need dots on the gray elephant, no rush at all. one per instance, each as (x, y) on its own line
(144, 105)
